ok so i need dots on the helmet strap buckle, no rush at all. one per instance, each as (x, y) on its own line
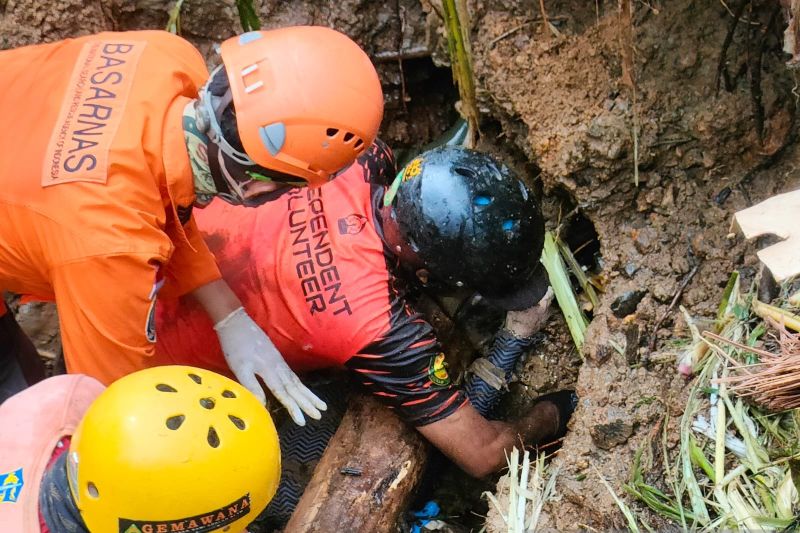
(210, 108)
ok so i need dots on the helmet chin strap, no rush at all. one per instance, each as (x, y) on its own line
(210, 110)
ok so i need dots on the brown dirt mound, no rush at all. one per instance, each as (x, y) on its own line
(560, 100)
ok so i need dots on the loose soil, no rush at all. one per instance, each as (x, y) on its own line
(561, 102)
(555, 104)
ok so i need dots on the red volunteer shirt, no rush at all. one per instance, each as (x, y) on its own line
(309, 268)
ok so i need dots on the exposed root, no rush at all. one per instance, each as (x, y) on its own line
(400, 14)
(548, 26)
(754, 60)
(678, 292)
(722, 69)
(774, 382)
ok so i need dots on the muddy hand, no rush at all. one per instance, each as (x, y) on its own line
(547, 419)
(528, 321)
(250, 354)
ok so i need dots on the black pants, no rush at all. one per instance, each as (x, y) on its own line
(20, 365)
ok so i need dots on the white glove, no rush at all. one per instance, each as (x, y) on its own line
(250, 353)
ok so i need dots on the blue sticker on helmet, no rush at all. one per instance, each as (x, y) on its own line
(249, 37)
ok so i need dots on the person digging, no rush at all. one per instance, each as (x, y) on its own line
(161, 450)
(116, 137)
(322, 271)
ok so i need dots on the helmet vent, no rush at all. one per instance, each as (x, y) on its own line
(228, 394)
(213, 438)
(197, 379)
(464, 171)
(174, 422)
(91, 488)
(207, 403)
(238, 422)
(359, 144)
(348, 137)
(509, 225)
(331, 132)
(163, 387)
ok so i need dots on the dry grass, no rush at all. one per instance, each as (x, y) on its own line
(528, 489)
(732, 469)
(456, 21)
(774, 382)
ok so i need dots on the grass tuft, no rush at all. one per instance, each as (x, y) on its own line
(529, 490)
(733, 467)
(174, 21)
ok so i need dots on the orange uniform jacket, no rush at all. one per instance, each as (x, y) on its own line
(96, 188)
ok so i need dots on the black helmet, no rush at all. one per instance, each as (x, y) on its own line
(466, 218)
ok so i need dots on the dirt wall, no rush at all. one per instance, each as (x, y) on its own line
(561, 101)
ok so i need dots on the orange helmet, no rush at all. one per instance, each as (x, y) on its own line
(306, 102)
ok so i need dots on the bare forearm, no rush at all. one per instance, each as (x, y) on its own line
(217, 299)
(480, 446)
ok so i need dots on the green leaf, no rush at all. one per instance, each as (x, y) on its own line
(578, 272)
(699, 459)
(248, 15)
(741, 312)
(565, 296)
(729, 296)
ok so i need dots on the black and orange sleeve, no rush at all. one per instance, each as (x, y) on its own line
(405, 369)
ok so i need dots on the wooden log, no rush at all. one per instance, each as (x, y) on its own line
(367, 476)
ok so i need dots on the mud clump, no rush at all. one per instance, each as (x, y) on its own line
(607, 436)
(625, 304)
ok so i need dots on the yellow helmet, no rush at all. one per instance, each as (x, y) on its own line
(173, 448)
